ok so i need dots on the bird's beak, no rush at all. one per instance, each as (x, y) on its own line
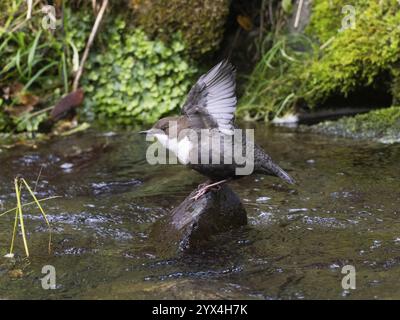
(150, 132)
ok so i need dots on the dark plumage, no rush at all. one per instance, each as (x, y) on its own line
(211, 105)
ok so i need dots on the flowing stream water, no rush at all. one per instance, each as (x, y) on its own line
(345, 210)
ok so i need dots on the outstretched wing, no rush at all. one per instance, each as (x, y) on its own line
(211, 103)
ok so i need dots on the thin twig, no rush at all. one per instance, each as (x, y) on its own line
(38, 177)
(65, 72)
(261, 30)
(298, 14)
(271, 14)
(89, 44)
(327, 43)
(29, 11)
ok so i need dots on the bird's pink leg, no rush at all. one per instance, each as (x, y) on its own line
(205, 188)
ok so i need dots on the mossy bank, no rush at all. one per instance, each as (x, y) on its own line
(379, 125)
(302, 72)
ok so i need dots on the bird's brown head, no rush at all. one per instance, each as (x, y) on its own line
(163, 125)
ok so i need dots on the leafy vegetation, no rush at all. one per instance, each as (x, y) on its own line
(142, 73)
(36, 63)
(135, 78)
(128, 76)
(351, 59)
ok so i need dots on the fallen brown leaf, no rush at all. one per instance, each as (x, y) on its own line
(244, 22)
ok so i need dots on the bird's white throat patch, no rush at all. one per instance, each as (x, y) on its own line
(180, 148)
(205, 147)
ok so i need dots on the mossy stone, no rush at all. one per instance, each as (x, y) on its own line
(201, 22)
(382, 125)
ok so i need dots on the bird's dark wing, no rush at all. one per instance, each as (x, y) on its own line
(211, 102)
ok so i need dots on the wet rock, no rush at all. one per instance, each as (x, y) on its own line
(381, 125)
(190, 226)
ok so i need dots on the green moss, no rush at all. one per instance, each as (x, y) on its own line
(201, 22)
(383, 125)
(326, 17)
(357, 56)
(134, 78)
(352, 59)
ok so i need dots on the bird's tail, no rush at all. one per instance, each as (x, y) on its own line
(275, 170)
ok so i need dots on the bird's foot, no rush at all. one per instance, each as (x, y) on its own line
(206, 187)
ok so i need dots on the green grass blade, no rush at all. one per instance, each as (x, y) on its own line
(41, 210)
(12, 63)
(75, 56)
(36, 201)
(37, 75)
(18, 63)
(284, 104)
(21, 218)
(4, 44)
(64, 72)
(29, 203)
(14, 232)
(14, 228)
(32, 52)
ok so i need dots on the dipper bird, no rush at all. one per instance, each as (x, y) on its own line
(204, 136)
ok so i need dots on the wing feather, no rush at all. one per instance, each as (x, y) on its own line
(211, 103)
